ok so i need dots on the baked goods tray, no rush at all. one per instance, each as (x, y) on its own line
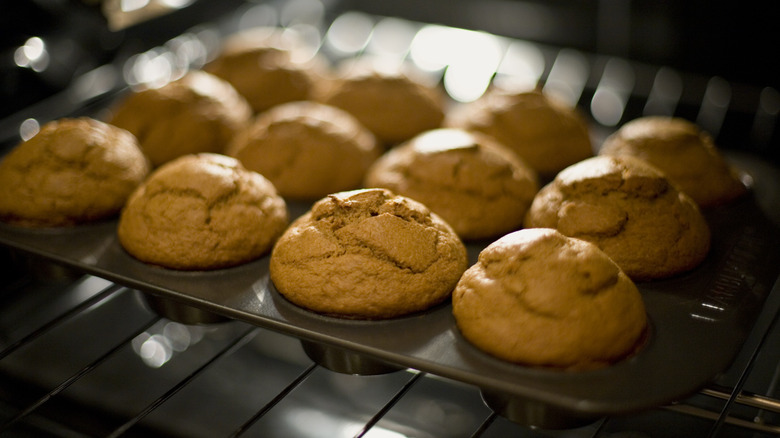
(699, 320)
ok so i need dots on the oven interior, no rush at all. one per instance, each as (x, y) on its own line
(82, 355)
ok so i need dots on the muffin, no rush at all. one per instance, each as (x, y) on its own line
(72, 172)
(367, 254)
(197, 113)
(477, 185)
(684, 152)
(268, 66)
(545, 132)
(538, 298)
(393, 103)
(630, 210)
(307, 150)
(202, 212)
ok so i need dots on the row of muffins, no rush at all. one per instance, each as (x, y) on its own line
(378, 253)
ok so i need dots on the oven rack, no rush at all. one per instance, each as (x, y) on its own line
(75, 398)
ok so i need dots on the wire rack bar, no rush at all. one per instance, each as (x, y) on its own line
(59, 320)
(79, 374)
(743, 377)
(279, 397)
(229, 349)
(726, 419)
(485, 425)
(745, 398)
(397, 397)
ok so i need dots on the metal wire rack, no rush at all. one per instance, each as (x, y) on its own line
(97, 362)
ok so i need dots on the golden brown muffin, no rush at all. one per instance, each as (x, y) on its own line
(72, 172)
(392, 103)
(630, 210)
(262, 65)
(547, 133)
(475, 184)
(539, 298)
(197, 113)
(307, 149)
(684, 152)
(202, 212)
(367, 254)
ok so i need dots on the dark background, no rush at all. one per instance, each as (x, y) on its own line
(735, 40)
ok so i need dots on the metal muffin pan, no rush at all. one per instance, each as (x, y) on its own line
(699, 320)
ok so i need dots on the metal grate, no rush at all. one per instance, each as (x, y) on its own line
(84, 357)
(97, 362)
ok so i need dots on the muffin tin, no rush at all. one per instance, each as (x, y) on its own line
(699, 320)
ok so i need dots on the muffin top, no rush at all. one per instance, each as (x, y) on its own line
(73, 171)
(630, 210)
(202, 211)
(393, 103)
(268, 66)
(196, 113)
(544, 131)
(474, 183)
(367, 254)
(307, 150)
(684, 152)
(537, 297)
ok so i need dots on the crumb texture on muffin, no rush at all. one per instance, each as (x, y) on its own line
(367, 254)
(475, 184)
(684, 152)
(539, 298)
(542, 130)
(630, 210)
(391, 102)
(307, 149)
(196, 113)
(73, 171)
(202, 212)
(268, 66)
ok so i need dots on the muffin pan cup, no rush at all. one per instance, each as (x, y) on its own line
(699, 320)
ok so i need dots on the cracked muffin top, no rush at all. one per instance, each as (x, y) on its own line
(367, 254)
(685, 153)
(474, 183)
(539, 298)
(628, 208)
(72, 172)
(201, 212)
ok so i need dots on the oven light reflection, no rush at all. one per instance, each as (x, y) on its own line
(611, 95)
(665, 93)
(33, 55)
(349, 33)
(133, 5)
(469, 74)
(567, 76)
(521, 68)
(470, 58)
(712, 306)
(314, 423)
(429, 49)
(156, 349)
(391, 37)
(28, 129)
